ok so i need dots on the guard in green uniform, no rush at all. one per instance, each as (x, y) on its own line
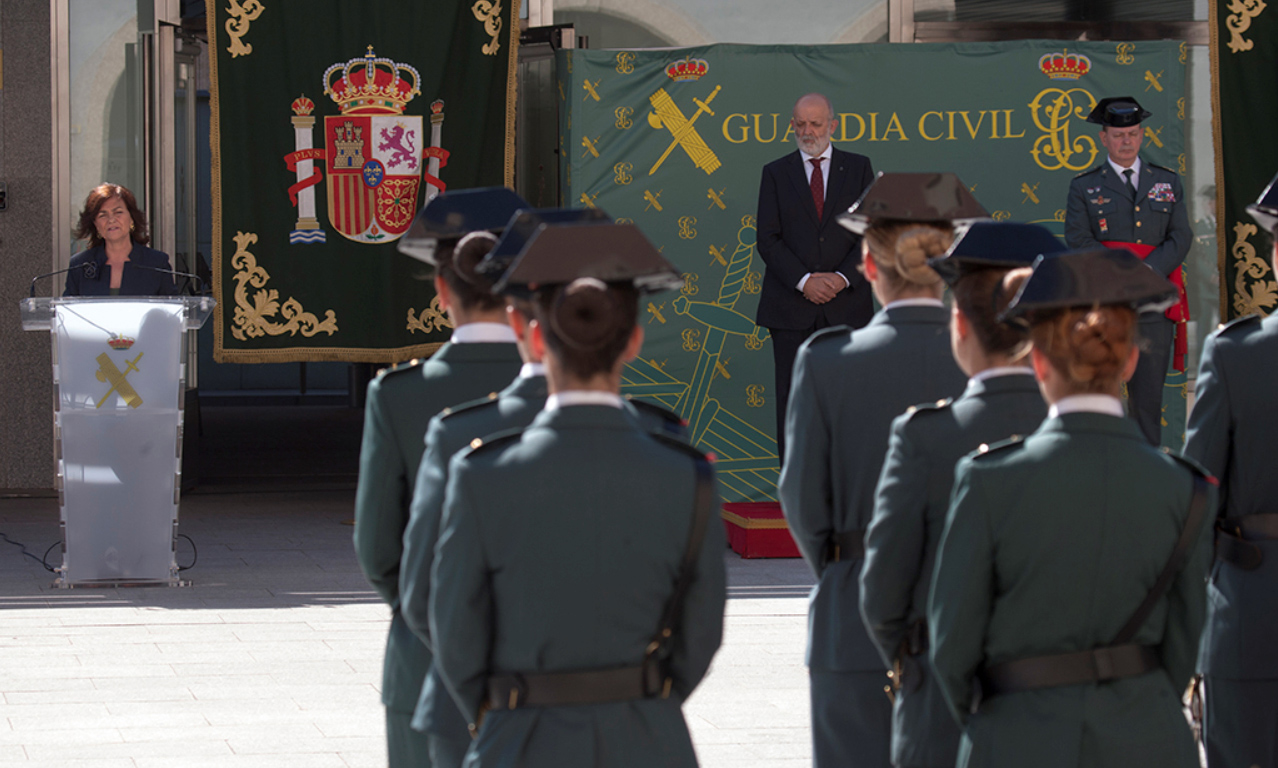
(1126, 202)
(1001, 400)
(847, 388)
(480, 358)
(1070, 577)
(452, 430)
(579, 570)
(1231, 429)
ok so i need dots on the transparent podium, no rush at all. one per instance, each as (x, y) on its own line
(119, 376)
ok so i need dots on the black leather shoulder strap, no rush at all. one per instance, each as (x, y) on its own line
(702, 511)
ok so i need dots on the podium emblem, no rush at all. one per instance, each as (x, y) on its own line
(107, 371)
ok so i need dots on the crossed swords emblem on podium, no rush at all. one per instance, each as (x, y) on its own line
(119, 379)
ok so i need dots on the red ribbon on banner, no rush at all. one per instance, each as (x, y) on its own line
(442, 154)
(292, 159)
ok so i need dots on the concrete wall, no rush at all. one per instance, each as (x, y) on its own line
(26, 395)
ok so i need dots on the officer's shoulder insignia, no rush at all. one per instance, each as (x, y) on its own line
(468, 407)
(916, 411)
(1238, 322)
(492, 442)
(1001, 447)
(1090, 171)
(400, 367)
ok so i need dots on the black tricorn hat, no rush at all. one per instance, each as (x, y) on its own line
(1092, 276)
(994, 245)
(1265, 209)
(921, 197)
(523, 225)
(453, 215)
(1118, 112)
(558, 254)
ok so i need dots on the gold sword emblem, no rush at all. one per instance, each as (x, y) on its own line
(656, 313)
(668, 115)
(716, 198)
(1153, 135)
(119, 380)
(590, 89)
(1153, 80)
(652, 200)
(591, 146)
(717, 255)
(1029, 192)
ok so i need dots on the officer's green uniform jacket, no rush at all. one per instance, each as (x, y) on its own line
(909, 514)
(847, 389)
(400, 404)
(1231, 432)
(450, 431)
(1101, 207)
(1050, 545)
(559, 548)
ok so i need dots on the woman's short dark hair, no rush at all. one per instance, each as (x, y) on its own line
(85, 229)
(587, 324)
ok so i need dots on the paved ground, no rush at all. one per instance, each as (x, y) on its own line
(272, 657)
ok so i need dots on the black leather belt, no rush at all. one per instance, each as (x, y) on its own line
(1094, 666)
(845, 546)
(1234, 537)
(595, 686)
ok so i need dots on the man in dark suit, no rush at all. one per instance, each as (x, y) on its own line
(811, 280)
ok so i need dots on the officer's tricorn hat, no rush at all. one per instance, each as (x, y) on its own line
(994, 245)
(453, 215)
(558, 254)
(921, 197)
(1118, 112)
(523, 225)
(1089, 277)
(1265, 209)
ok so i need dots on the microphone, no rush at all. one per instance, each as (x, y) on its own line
(199, 283)
(85, 266)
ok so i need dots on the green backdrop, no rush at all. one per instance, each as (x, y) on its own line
(675, 140)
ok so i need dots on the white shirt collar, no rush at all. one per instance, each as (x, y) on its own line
(1106, 404)
(1119, 170)
(827, 154)
(583, 397)
(915, 303)
(532, 370)
(481, 333)
(1005, 370)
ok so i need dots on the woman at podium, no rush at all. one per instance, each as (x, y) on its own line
(118, 261)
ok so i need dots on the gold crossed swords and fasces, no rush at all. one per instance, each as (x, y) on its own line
(716, 254)
(651, 197)
(588, 200)
(590, 89)
(668, 115)
(591, 146)
(1029, 192)
(1153, 81)
(119, 381)
(1153, 135)
(716, 198)
(656, 313)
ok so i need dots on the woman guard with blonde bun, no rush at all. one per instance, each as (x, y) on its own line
(848, 386)
(1069, 592)
(913, 496)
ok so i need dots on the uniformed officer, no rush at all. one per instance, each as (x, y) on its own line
(481, 357)
(1070, 577)
(1231, 428)
(456, 428)
(1126, 202)
(848, 386)
(583, 567)
(1001, 400)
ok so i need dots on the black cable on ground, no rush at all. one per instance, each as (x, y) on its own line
(23, 547)
(195, 554)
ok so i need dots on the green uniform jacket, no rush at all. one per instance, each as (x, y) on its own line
(1231, 431)
(847, 389)
(1050, 545)
(909, 514)
(1101, 207)
(560, 546)
(400, 404)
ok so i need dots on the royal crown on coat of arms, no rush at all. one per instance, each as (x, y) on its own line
(372, 85)
(686, 69)
(1062, 65)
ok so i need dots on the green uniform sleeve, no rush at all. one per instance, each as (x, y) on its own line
(381, 500)
(1209, 437)
(805, 486)
(422, 533)
(1187, 606)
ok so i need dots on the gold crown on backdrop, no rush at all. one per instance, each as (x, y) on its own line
(372, 85)
(686, 69)
(303, 106)
(1063, 65)
(120, 342)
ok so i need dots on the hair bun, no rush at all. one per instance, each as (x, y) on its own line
(468, 254)
(585, 314)
(914, 247)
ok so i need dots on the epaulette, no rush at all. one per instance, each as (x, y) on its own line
(1090, 171)
(668, 417)
(400, 367)
(826, 334)
(1237, 321)
(985, 450)
(928, 407)
(469, 405)
(1162, 168)
(492, 441)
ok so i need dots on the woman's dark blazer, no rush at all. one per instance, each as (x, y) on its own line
(140, 277)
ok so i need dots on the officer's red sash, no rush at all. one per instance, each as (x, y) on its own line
(1178, 313)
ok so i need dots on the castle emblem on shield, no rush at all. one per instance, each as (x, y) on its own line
(377, 156)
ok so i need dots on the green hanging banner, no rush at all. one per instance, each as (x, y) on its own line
(675, 141)
(1244, 57)
(332, 124)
